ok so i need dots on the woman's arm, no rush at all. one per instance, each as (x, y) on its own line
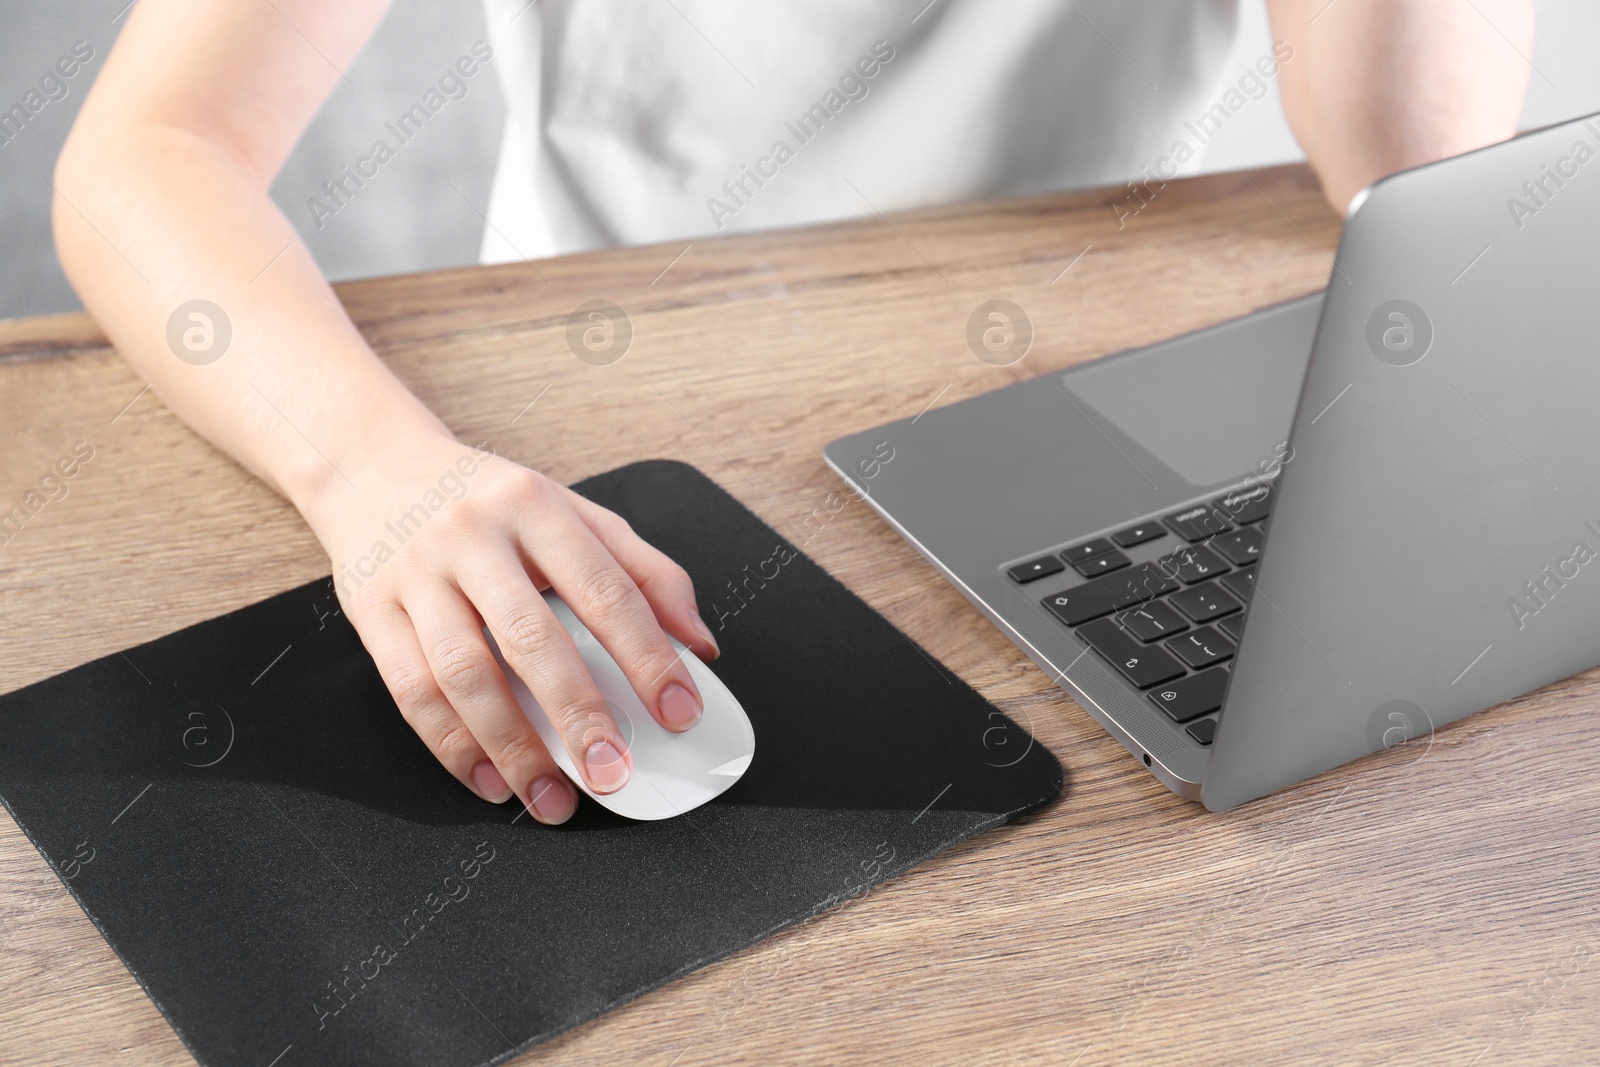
(1376, 86)
(161, 199)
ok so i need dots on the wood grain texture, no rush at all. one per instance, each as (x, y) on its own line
(1433, 904)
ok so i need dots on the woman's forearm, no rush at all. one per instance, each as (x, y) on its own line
(150, 217)
(1376, 86)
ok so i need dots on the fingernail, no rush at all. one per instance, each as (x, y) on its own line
(551, 800)
(608, 771)
(679, 707)
(704, 631)
(489, 783)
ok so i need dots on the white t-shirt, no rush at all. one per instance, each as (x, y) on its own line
(637, 121)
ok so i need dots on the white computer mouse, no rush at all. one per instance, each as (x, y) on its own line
(672, 773)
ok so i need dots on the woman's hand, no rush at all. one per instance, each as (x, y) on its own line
(442, 540)
(430, 541)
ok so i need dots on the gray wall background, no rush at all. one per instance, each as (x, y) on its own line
(410, 218)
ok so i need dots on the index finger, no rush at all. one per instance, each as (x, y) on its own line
(602, 594)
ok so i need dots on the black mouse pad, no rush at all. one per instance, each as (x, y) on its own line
(240, 809)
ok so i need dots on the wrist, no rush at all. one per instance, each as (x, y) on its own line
(368, 454)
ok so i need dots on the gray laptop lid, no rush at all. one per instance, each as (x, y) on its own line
(1435, 549)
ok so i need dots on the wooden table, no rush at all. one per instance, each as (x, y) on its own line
(1435, 904)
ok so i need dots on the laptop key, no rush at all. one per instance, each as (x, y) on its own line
(1202, 647)
(1233, 626)
(1204, 602)
(1138, 535)
(1151, 621)
(1102, 596)
(1241, 584)
(1246, 506)
(1242, 547)
(1194, 563)
(1197, 523)
(1143, 665)
(1094, 568)
(1204, 731)
(1191, 697)
(1042, 567)
(1088, 550)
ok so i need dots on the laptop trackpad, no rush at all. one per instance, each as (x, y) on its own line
(1187, 411)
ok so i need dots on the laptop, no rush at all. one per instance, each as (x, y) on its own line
(1262, 550)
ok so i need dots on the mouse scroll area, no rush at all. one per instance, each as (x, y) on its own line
(672, 773)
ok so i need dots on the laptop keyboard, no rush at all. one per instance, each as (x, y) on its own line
(1169, 626)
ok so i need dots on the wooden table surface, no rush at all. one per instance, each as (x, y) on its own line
(1433, 904)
